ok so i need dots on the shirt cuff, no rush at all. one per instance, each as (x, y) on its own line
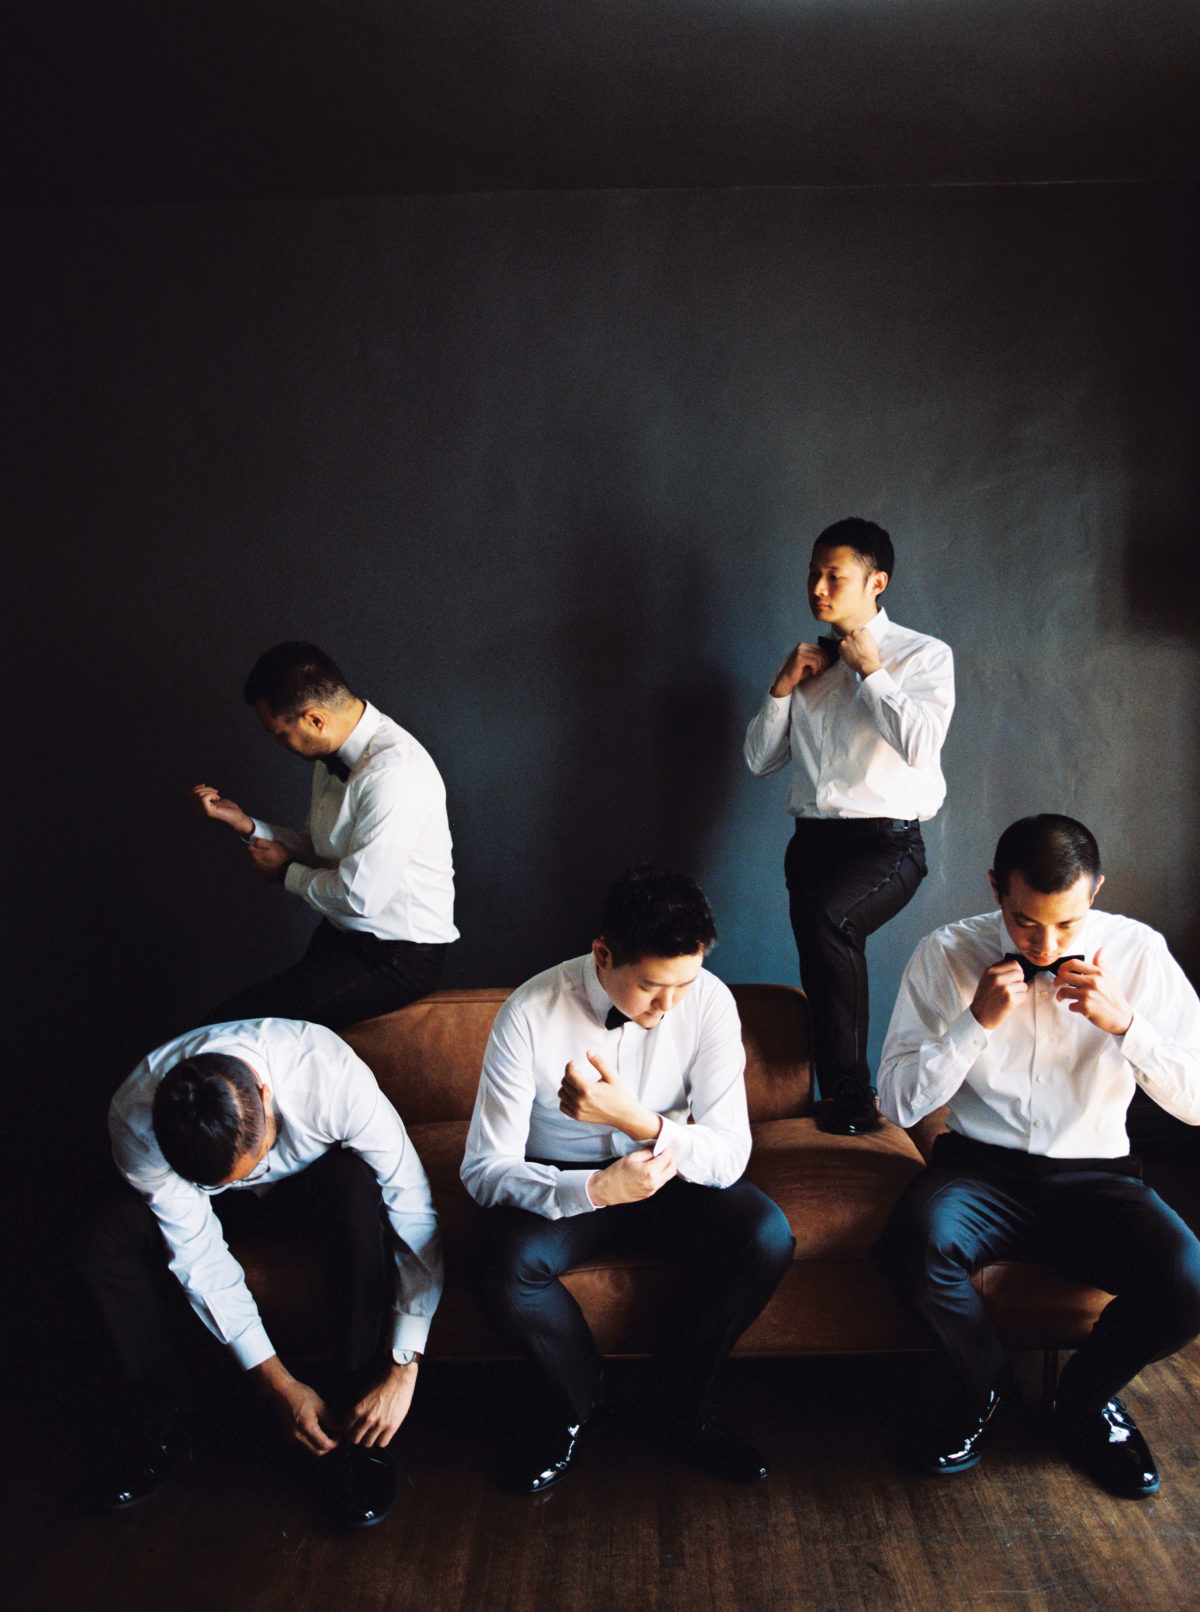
(296, 878)
(966, 1038)
(410, 1331)
(672, 1135)
(252, 1348)
(879, 684)
(1137, 1044)
(572, 1193)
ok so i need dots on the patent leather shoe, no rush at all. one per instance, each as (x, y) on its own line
(718, 1450)
(540, 1464)
(136, 1468)
(1110, 1448)
(850, 1112)
(359, 1484)
(959, 1447)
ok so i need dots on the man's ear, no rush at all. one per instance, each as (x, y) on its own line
(313, 718)
(994, 885)
(1096, 887)
(879, 581)
(601, 953)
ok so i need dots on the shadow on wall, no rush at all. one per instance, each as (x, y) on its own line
(1159, 400)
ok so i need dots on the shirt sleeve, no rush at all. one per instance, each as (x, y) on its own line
(390, 813)
(363, 1120)
(767, 747)
(931, 1043)
(494, 1169)
(1163, 1041)
(912, 704)
(714, 1149)
(199, 1255)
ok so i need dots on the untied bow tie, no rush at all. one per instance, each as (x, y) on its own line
(1030, 969)
(335, 765)
(832, 647)
(615, 1019)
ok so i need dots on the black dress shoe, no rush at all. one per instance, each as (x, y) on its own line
(717, 1449)
(132, 1470)
(359, 1486)
(1109, 1447)
(959, 1447)
(540, 1464)
(851, 1112)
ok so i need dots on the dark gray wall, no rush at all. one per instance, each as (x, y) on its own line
(542, 471)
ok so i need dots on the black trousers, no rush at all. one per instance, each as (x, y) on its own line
(345, 975)
(732, 1245)
(1092, 1219)
(845, 877)
(335, 1203)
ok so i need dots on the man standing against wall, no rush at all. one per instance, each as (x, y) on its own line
(612, 1115)
(374, 859)
(861, 717)
(1037, 1051)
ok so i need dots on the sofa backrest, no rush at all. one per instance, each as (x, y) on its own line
(427, 1056)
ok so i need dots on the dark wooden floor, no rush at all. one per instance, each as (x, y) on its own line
(837, 1526)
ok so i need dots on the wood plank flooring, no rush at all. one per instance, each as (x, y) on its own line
(838, 1527)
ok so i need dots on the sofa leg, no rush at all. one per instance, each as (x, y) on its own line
(1049, 1376)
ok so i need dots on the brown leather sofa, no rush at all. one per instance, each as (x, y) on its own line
(836, 1191)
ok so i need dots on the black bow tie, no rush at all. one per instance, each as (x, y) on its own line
(615, 1019)
(832, 648)
(335, 765)
(1030, 969)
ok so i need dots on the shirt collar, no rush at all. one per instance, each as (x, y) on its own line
(598, 998)
(356, 741)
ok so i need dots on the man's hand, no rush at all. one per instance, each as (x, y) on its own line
(208, 802)
(999, 990)
(638, 1175)
(270, 858)
(605, 1101)
(806, 660)
(300, 1409)
(1091, 990)
(861, 652)
(379, 1413)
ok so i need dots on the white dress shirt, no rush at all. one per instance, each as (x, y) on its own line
(1044, 1080)
(863, 746)
(322, 1094)
(691, 1062)
(382, 836)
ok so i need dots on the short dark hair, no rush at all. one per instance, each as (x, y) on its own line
(1048, 851)
(293, 676)
(653, 913)
(870, 543)
(208, 1113)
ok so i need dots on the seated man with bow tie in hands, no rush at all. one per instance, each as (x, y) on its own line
(374, 860)
(1037, 1054)
(581, 1143)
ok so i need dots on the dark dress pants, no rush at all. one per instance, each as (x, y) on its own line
(845, 877)
(344, 976)
(334, 1203)
(1086, 1217)
(732, 1245)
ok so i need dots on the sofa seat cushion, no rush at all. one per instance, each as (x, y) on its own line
(836, 1191)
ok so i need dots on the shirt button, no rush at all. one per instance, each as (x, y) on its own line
(1037, 1124)
(1041, 1079)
